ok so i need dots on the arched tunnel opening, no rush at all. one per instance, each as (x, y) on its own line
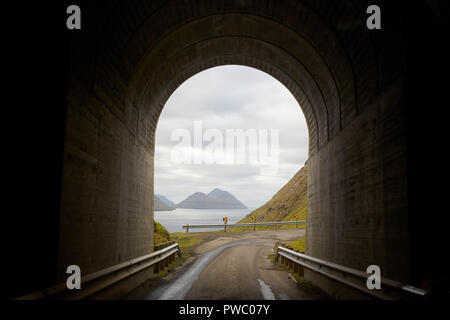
(358, 90)
(232, 129)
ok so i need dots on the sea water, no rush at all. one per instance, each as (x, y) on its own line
(174, 220)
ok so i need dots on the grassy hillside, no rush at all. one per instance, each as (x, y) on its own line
(287, 202)
(161, 234)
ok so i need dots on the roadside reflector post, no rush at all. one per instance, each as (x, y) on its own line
(225, 219)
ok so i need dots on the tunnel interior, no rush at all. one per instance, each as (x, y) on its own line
(350, 92)
(351, 85)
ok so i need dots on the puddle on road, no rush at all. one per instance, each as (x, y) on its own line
(179, 287)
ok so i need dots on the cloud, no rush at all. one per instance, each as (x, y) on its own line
(230, 97)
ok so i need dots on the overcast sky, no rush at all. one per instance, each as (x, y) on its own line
(230, 97)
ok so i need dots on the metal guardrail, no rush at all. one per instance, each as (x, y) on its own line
(237, 225)
(99, 280)
(349, 276)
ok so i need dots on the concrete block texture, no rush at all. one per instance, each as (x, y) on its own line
(129, 58)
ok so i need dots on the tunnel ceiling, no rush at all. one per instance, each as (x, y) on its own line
(324, 57)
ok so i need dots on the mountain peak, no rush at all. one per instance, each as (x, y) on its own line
(216, 199)
(217, 192)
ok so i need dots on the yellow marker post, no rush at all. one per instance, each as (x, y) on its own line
(296, 218)
(225, 219)
(254, 219)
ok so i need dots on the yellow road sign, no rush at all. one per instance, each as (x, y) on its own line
(253, 218)
(225, 219)
(295, 217)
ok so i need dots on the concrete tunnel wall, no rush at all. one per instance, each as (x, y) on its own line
(129, 57)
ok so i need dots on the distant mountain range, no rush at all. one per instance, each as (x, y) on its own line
(216, 199)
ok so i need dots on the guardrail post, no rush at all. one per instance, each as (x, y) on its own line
(187, 228)
(300, 271)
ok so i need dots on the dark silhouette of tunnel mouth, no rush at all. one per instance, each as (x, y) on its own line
(348, 82)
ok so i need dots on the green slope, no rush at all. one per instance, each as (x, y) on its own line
(287, 202)
(161, 234)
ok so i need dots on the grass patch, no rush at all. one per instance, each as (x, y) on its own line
(161, 234)
(240, 229)
(298, 245)
(187, 243)
(298, 278)
(186, 240)
(271, 257)
(170, 267)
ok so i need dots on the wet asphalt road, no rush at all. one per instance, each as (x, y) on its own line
(236, 266)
